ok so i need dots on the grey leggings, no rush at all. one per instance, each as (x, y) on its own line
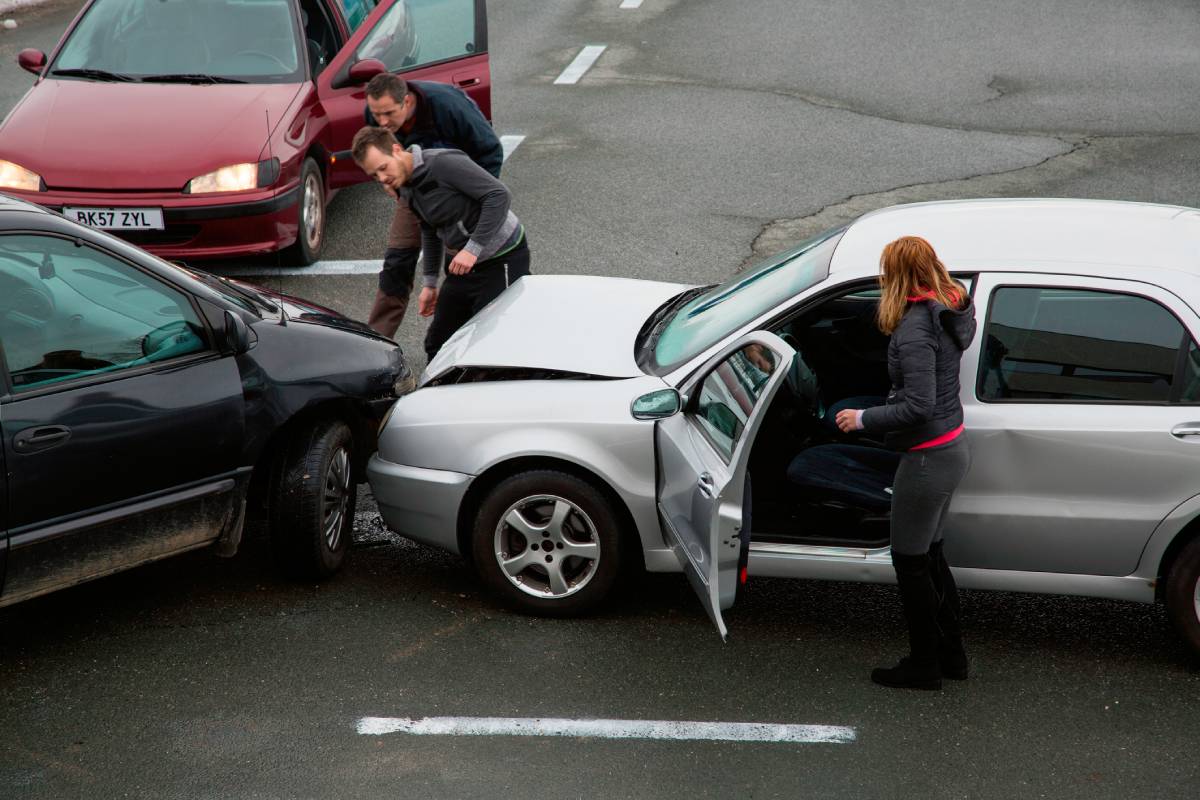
(921, 493)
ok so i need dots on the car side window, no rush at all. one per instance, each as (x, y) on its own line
(356, 11)
(68, 311)
(414, 33)
(729, 393)
(1083, 345)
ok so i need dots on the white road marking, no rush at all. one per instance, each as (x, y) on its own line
(608, 729)
(367, 267)
(582, 63)
(511, 143)
(631, 3)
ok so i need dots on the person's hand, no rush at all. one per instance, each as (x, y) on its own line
(847, 420)
(427, 302)
(462, 263)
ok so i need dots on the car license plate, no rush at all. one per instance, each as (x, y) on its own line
(118, 219)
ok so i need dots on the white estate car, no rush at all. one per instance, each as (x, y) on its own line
(579, 426)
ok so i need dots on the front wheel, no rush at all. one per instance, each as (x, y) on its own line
(310, 238)
(312, 500)
(1183, 594)
(547, 543)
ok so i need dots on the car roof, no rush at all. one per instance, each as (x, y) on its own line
(1098, 237)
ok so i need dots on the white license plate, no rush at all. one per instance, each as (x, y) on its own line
(118, 219)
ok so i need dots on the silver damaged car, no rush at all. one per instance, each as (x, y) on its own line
(582, 426)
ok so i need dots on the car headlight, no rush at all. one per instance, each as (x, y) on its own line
(235, 178)
(14, 176)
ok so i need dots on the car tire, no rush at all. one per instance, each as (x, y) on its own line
(310, 237)
(1183, 594)
(312, 501)
(564, 552)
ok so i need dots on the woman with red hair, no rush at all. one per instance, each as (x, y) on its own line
(931, 320)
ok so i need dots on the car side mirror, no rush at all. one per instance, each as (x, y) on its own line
(362, 71)
(659, 404)
(32, 60)
(237, 333)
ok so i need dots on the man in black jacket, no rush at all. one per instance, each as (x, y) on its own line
(431, 115)
(462, 211)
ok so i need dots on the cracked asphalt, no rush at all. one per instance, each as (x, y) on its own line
(710, 132)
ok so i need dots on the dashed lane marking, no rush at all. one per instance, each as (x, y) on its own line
(582, 63)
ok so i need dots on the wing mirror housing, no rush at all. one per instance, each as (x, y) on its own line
(362, 71)
(237, 334)
(659, 404)
(32, 60)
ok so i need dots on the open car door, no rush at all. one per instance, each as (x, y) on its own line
(420, 40)
(703, 451)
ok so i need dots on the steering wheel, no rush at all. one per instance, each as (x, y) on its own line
(266, 55)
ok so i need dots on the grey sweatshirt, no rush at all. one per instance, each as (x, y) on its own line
(460, 207)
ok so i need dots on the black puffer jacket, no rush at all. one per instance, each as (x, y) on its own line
(923, 363)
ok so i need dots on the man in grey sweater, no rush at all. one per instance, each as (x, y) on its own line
(463, 211)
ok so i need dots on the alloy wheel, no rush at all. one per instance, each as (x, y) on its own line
(547, 546)
(335, 498)
(314, 211)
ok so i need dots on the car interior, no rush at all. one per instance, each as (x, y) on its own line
(63, 316)
(806, 494)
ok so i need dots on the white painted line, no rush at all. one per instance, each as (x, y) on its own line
(318, 268)
(582, 63)
(631, 3)
(510, 143)
(608, 729)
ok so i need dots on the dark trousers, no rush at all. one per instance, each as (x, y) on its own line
(462, 296)
(924, 486)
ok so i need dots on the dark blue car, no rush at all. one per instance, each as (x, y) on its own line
(144, 405)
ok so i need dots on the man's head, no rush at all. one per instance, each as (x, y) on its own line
(390, 102)
(380, 156)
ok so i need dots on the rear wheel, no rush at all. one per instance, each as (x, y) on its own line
(310, 238)
(312, 501)
(1183, 594)
(548, 543)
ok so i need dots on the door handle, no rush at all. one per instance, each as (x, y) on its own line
(42, 437)
(1186, 429)
(465, 82)
(705, 484)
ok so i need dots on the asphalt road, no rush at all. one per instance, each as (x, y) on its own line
(707, 132)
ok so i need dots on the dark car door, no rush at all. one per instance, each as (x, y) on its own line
(122, 423)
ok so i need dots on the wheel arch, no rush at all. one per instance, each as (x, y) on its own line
(1179, 541)
(344, 409)
(497, 473)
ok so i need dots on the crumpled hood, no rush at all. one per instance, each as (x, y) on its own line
(147, 136)
(301, 310)
(958, 322)
(580, 324)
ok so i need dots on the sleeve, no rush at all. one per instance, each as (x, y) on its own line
(494, 199)
(918, 365)
(431, 256)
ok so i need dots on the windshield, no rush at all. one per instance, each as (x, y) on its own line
(710, 317)
(242, 40)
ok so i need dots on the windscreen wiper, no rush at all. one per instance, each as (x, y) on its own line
(189, 77)
(653, 327)
(94, 74)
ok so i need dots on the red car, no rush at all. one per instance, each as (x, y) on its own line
(219, 128)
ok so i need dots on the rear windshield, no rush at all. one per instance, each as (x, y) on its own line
(247, 40)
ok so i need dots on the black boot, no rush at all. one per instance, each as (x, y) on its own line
(951, 654)
(920, 668)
